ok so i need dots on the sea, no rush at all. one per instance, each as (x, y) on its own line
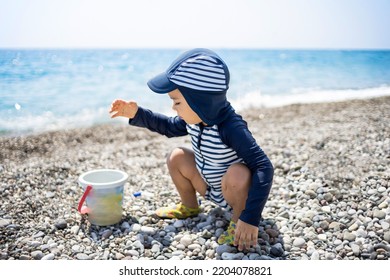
(53, 89)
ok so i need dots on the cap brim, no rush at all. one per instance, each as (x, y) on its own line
(161, 84)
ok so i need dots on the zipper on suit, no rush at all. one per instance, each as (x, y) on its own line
(201, 127)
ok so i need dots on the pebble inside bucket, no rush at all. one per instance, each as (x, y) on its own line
(103, 194)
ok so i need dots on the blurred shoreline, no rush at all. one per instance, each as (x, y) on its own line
(49, 121)
(122, 124)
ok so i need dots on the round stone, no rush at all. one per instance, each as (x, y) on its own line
(299, 242)
(349, 236)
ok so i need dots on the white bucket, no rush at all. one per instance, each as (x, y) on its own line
(103, 194)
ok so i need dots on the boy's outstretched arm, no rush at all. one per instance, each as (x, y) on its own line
(122, 108)
(141, 117)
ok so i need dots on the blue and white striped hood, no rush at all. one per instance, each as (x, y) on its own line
(203, 79)
(202, 70)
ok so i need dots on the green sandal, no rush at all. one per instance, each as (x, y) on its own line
(178, 211)
(228, 236)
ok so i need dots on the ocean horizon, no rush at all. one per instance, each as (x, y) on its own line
(51, 89)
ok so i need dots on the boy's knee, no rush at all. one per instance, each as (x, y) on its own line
(238, 176)
(178, 157)
(174, 156)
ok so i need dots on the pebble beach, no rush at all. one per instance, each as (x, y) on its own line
(330, 197)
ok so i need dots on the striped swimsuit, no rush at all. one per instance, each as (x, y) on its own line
(212, 158)
(216, 148)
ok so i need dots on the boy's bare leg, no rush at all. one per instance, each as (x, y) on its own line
(235, 187)
(185, 176)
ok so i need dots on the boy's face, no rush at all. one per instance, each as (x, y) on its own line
(182, 108)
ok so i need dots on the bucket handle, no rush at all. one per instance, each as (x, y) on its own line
(81, 202)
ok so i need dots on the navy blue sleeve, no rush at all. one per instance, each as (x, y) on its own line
(168, 126)
(235, 133)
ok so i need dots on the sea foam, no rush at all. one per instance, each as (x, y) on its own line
(255, 99)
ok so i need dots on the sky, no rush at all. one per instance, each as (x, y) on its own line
(286, 24)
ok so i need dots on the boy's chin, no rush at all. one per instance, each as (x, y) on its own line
(190, 121)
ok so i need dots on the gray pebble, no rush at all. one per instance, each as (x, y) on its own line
(133, 253)
(178, 224)
(384, 225)
(299, 242)
(138, 245)
(194, 247)
(50, 194)
(386, 236)
(38, 234)
(219, 224)
(203, 225)
(4, 222)
(35, 243)
(106, 234)
(75, 229)
(82, 256)
(379, 214)
(232, 256)
(37, 255)
(224, 249)
(277, 250)
(264, 258)
(219, 232)
(61, 224)
(315, 256)
(155, 249)
(125, 225)
(186, 240)
(170, 228)
(349, 236)
(178, 253)
(50, 256)
(355, 249)
(94, 236)
(148, 230)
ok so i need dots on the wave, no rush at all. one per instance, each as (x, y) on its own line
(49, 121)
(255, 99)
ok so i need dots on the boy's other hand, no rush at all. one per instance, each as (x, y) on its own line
(122, 108)
(245, 235)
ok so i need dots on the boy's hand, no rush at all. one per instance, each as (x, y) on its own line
(245, 235)
(122, 108)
